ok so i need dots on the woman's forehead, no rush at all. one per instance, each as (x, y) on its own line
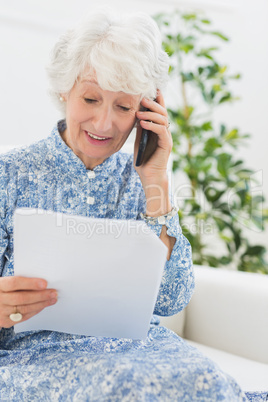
(90, 81)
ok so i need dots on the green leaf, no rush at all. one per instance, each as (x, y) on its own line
(220, 223)
(207, 50)
(213, 195)
(255, 250)
(208, 56)
(225, 260)
(227, 239)
(233, 134)
(222, 69)
(205, 21)
(169, 49)
(238, 162)
(237, 240)
(220, 35)
(222, 130)
(199, 29)
(206, 126)
(211, 144)
(225, 98)
(171, 68)
(224, 163)
(235, 77)
(216, 87)
(200, 70)
(186, 47)
(188, 17)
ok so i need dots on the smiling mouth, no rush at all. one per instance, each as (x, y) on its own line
(95, 137)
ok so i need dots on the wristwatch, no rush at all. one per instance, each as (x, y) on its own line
(159, 220)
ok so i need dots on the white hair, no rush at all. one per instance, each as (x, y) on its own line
(123, 51)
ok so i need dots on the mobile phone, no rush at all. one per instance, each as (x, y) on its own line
(142, 147)
(147, 146)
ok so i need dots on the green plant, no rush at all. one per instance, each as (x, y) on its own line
(220, 199)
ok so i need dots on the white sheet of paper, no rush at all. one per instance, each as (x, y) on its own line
(107, 272)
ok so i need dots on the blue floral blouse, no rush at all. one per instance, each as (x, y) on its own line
(53, 366)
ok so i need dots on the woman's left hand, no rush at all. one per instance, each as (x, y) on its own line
(155, 120)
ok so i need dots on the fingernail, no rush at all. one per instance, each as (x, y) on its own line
(53, 295)
(42, 284)
(53, 301)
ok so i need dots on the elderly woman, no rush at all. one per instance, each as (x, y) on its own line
(104, 75)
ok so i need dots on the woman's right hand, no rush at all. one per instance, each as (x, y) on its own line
(27, 296)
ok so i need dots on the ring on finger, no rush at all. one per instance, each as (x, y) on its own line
(16, 317)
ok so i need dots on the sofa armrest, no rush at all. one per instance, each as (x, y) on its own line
(175, 322)
(229, 311)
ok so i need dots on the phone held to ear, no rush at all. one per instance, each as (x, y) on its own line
(147, 146)
(142, 146)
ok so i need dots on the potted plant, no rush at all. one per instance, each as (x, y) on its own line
(220, 200)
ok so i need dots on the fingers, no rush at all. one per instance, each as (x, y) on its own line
(164, 136)
(157, 106)
(153, 117)
(25, 297)
(156, 115)
(26, 311)
(31, 309)
(156, 120)
(13, 283)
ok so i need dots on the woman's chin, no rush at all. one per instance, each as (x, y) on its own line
(91, 159)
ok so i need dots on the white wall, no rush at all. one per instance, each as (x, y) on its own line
(29, 28)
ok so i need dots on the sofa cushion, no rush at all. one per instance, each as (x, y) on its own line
(252, 376)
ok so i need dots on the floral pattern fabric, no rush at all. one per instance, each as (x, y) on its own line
(53, 366)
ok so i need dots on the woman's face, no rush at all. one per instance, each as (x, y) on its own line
(98, 121)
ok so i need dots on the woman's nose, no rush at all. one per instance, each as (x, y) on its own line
(103, 120)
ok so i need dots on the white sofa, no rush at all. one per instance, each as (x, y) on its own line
(227, 319)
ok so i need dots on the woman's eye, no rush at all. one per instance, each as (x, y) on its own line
(124, 108)
(87, 100)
